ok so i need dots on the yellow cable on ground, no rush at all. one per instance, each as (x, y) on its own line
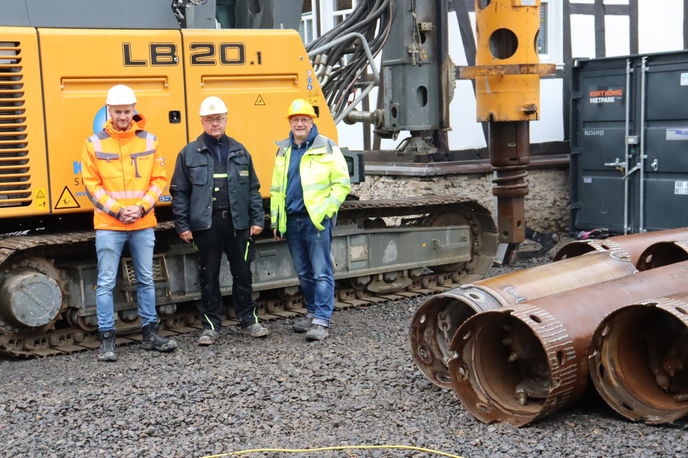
(344, 447)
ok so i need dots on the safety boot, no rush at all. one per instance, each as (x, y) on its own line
(107, 347)
(303, 324)
(208, 337)
(255, 330)
(317, 332)
(153, 341)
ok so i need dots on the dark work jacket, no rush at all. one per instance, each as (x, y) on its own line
(192, 187)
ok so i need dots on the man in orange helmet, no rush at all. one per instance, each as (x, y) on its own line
(124, 177)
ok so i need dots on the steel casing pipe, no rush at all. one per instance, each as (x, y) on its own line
(631, 245)
(639, 360)
(435, 322)
(663, 253)
(521, 363)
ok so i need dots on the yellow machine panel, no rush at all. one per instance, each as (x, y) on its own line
(257, 73)
(79, 66)
(23, 168)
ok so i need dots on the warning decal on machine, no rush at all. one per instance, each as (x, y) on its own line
(41, 199)
(681, 188)
(66, 200)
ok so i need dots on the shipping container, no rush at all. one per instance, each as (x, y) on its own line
(629, 143)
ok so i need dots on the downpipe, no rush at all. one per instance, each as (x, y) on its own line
(521, 363)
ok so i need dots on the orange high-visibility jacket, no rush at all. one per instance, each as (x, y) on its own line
(122, 169)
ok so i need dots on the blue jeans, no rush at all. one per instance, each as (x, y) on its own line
(109, 246)
(311, 251)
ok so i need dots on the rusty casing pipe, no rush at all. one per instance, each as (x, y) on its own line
(633, 244)
(663, 253)
(521, 363)
(435, 322)
(639, 360)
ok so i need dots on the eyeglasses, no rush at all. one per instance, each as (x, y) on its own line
(300, 119)
(216, 120)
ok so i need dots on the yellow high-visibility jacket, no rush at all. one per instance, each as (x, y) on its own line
(122, 169)
(324, 179)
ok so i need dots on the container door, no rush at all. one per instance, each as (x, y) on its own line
(664, 197)
(598, 148)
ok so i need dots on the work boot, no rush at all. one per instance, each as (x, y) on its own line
(317, 332)
(107, 347)
(153, 341)
(255, 330)
(208, 337)
(303, 324)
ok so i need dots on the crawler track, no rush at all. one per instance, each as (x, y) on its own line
(71, 340)
(68, 332)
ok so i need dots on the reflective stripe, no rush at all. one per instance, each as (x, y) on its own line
(316, 187)
(219, 175)
(155, 189)
(100, 206)
(150, 141)
(106, 156)
(109, 205)
(335, 201)
(97, 147)
(148, 198)
(144, 153)
(100, 192)
(126, 194)
(208, 320)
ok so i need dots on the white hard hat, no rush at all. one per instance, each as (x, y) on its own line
(120, 95)
(212, 105)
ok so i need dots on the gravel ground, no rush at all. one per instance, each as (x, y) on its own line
(359, 387)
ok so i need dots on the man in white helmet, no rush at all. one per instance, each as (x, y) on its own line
(124, 176)
(217, 205)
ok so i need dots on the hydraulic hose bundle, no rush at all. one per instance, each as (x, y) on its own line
(339, 68)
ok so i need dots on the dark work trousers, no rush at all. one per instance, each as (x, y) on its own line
(211, 243)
